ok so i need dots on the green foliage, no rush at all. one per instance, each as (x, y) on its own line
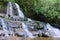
(4, 2)
(50, 9)
(10, 0)
(26, 6)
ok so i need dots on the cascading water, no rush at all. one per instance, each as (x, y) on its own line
(46, 26)
(51, 31)
(4, 27)
(54, 32)
(9, 9)
(20, 13)
(29, 34)
(29, 19)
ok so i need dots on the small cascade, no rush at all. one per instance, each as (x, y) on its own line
(29, 34)
(29, 19)
(51, 31)
(20, 13)
(4, 27)
(9, 9)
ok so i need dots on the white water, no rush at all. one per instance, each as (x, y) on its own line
(4, 27)
(29, 34)
(9, 9)
(20, 13)
(29, 19)
(53, 32)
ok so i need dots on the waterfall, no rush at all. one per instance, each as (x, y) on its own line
(4, 27)
(13, 8)
(29, 34)
(20, 13)
(9, 9)
(53, 32)
(50, 30)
